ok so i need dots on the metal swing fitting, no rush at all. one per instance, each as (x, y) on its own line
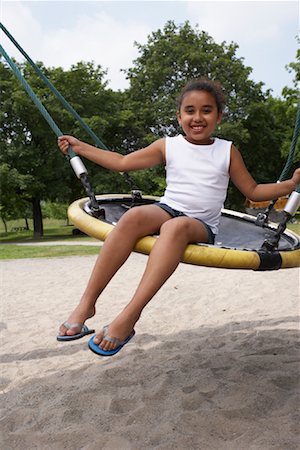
(78, 166)
(293, 204)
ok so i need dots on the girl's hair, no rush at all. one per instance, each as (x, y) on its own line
(204, 84)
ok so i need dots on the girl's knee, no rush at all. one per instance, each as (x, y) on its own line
(184, 229)
(175, 228)
(133, 218)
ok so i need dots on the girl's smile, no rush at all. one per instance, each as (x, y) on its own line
(199, 116)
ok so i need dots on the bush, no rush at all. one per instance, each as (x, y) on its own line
(52, 210)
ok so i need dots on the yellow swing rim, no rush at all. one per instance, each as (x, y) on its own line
(198, 254)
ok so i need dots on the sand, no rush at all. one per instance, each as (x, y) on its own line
(214, 363)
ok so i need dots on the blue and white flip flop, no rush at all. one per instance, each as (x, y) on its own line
(84, 331)
(120, 344)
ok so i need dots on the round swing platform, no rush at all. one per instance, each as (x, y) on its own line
(237, 246)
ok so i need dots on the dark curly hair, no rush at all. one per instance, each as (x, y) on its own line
(204, 84)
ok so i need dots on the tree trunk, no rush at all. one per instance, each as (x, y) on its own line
(5, 224)
(37, 217)
(26, 224)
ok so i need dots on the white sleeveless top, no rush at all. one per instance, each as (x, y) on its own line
(197, 178)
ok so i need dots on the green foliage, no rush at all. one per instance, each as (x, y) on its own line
(53, 210)
(36, 169)
(292, 94)
(12, 205)
(29, 144)
(169, 59)
(264, 144)
(151, 181)
(284, 114)
(287, 109)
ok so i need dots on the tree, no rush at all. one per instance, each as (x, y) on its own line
(29, 146)
(292, 99)
(259, 125)
(292, 94)
(270, 126)
(12, 206)
(170, 58)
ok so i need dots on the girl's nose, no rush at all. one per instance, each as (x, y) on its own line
(197, 116)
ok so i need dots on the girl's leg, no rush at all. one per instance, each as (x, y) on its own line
(136, 223)
(165, 256)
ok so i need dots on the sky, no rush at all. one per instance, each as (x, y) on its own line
(62, 33)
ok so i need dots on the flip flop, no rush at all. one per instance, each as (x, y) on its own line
(84, 331)
(96, 349)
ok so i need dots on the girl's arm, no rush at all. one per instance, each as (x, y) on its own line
(141, 159)
(258, 192)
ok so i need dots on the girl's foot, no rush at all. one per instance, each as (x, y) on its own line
(75, 321)
(119, 330)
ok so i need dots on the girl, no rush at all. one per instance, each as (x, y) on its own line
(198, 168)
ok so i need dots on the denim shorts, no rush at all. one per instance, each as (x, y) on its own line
(174, 213)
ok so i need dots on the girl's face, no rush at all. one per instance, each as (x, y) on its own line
(198, 116)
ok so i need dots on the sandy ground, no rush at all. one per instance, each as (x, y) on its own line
(214, 363)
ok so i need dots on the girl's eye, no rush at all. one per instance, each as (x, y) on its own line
(207, 110)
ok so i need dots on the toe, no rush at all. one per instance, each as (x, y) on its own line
(63, 331)
(106, 345)
(98, 338)
(69, 330)
(103, 343)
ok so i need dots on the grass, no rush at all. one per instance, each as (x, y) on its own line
(45, 251)
(54, 230)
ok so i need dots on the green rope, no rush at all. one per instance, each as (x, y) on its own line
(65, 103)
(35, 99)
